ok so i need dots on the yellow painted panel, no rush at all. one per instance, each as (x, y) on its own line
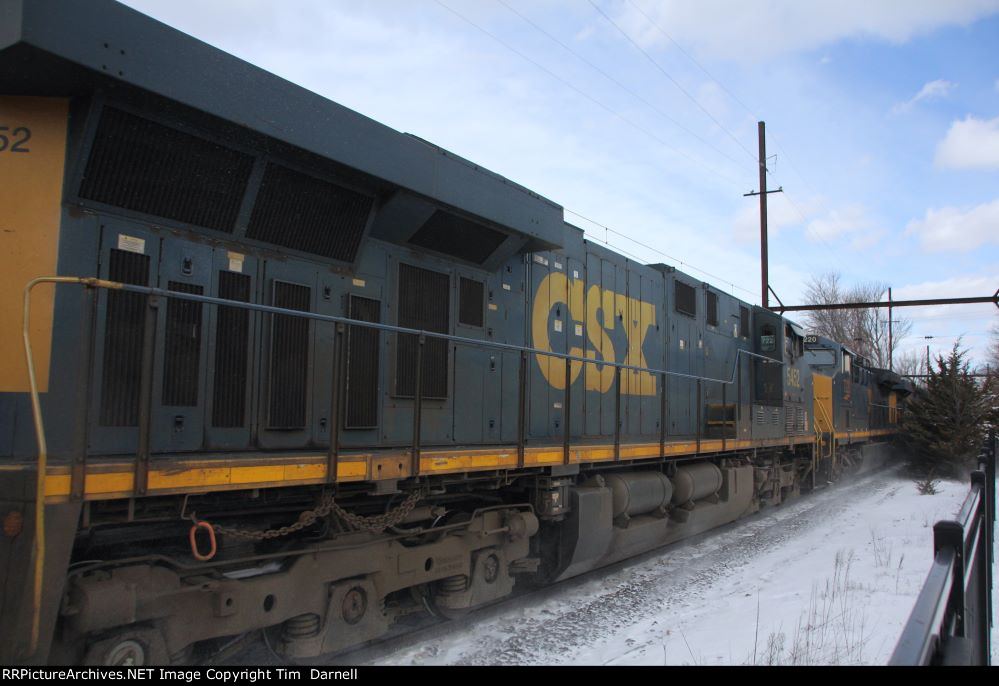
(190, 477)
(32, 158)
(823, 409)
(115, 482)
(350, 470)
(56, 485)
(298, 472)
(250, 475)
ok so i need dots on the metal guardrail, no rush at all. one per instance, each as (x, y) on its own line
(951, 623)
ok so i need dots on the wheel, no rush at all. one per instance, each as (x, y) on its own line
(135, 647)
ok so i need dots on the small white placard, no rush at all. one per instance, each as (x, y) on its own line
(540, 260)
(493, 307)
(506, 287)
(558, 265)
(683, 344)
(235, 261)
(579, 329)
(558, 325)
(131, 244)
(358, 282)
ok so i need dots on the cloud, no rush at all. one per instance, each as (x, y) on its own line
(838, 223)
(933, 90)
(970, 144)
(759, 31)
(952, 229)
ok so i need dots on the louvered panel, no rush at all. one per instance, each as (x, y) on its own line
(686, 298)
(289, 358)
(182, 347)
(122, 369)
(362, 365)
(424, 303)
(458, 237)
(301, 212)
(146, 167)
(232, 337)
(470, 299)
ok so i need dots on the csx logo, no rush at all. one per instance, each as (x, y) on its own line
(602, 311)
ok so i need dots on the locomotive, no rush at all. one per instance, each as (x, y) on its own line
(283, 368)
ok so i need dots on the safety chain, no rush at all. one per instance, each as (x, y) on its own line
(375, 524)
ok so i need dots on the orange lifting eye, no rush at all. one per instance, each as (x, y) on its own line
(194, 541)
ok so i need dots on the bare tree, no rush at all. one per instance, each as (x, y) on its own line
(993, 355)
(865, 331)
(910, 363)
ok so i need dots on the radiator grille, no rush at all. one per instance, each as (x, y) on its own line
(147, 167)
(458, 237)
(424, 303)
(304, 213)
(120, 379)
(182, 347)
(289, 358)
(789, 420)
(686, 298)
(232, 337)
(470, 302)
(744, 322)
(362, 365)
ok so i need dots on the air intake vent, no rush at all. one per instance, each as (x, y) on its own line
(362, 365)
(232, 331)
(712, 312)
(744, 322)
(123, 341)
(182, 348)
(289, 358)
(146, 167)
(686, 298)
(470, 302)
(424, 303)
(304, 213)
(458, 237)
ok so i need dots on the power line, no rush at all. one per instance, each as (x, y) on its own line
(830, 249)
(620, 85)
(672, 80)
(587, 96)
(689, 57)
(608, 229)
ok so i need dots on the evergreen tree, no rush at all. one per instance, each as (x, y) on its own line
(946, 422)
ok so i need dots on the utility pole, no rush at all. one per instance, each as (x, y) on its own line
(891, 367)
(764, 259)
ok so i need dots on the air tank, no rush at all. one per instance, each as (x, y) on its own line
(696, 482)
(636, 493)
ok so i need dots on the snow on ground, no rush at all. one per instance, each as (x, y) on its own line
(826, 579)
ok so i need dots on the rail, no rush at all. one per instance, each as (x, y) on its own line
(952, 620)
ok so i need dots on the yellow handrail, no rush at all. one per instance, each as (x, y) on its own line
(36, 411)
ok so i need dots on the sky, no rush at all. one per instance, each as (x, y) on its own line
(640, 117)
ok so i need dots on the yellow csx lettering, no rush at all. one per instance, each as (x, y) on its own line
(600, 309)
